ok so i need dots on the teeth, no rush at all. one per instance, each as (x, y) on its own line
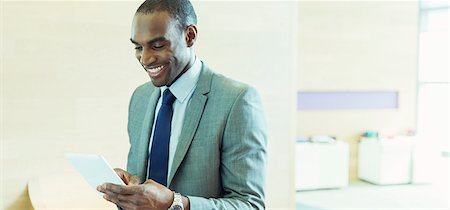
(155, 70)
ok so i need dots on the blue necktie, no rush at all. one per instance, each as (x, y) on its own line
(159, 154)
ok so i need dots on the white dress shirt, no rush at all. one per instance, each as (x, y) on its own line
(182, 89)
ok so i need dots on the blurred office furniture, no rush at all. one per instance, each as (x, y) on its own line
(65, 191)
(321, 165)
(385, 160)
(425, 161)
(394, 160)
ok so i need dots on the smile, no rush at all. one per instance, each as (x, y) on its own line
(155, 70)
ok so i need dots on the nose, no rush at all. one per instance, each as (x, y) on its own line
(147, 58)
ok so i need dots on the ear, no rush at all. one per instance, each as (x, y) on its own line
(191, 35)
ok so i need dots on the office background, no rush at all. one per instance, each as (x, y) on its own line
(68, 71)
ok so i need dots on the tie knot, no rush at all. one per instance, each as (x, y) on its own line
(168, 97)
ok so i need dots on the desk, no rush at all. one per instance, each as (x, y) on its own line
(65, 191)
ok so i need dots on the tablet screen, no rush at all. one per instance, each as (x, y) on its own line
(94, 169)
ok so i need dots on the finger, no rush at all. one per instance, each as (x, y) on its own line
(130, 199)
(121, 189)
(125, 201)
(100, 188)
(134, 180)
(127, 205)
(104, 188)
(111, 198)
(119, 170)
(123, 175)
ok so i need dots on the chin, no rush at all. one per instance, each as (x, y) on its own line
(157, 83)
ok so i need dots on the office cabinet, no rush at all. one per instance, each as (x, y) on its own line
(321, 165)
(385, 161)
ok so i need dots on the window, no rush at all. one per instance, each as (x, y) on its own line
(433, 77)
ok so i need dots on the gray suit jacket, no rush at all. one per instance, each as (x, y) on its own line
(220, 160)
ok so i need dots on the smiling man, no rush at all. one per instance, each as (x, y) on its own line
(198, 139)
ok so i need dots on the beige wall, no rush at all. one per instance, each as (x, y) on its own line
(358, 46)
(255, 43)
(68, 71)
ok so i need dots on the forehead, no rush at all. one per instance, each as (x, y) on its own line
(150, 25)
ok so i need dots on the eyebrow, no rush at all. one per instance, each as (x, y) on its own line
(151, 41)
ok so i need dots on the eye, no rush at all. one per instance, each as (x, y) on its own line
(159, 46)
(138, 48)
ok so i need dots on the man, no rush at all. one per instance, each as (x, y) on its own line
(198, 139)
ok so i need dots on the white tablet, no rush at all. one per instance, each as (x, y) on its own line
(94, 169)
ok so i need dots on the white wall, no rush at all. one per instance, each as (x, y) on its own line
(358, 46)
(68, 71)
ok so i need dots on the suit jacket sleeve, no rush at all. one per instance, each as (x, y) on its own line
(243, 157)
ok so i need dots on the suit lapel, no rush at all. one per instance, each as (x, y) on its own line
(192, 117)
(147, 126)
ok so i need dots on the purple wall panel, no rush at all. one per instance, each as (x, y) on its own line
(347, 100)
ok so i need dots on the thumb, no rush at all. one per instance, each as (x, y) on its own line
(153, 182)
(149, 181)
(134, 180)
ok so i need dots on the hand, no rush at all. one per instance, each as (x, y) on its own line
(127, 178)
(149, 195)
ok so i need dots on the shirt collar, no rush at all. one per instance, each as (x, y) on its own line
(186, 83)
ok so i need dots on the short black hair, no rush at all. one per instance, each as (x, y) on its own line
(181, 10)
